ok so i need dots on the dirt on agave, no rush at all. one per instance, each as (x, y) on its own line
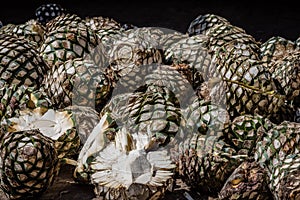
(65, 188)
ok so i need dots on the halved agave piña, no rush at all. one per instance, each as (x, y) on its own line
(55, 124)
(120, 170)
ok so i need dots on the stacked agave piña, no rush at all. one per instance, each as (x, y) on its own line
(67, 37)
(29, 161)
(242, 81)
(274, 167)
(143, 106)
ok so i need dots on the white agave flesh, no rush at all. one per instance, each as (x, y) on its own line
(116, 166)
(95, 143)
(52, 124)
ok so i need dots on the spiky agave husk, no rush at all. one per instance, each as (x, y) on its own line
(119, 169)
(206, 118)
(7, 28)
(157, 74)
(78, 82)
(62, 20)
(103, 25)
(143, 38)
(244, 131)
(246, 85)
(20, 62)
(278, 153)
(32, 31)
(14, 99)
(248, 181)
(192, 51)
(28, 164)
(57, 125)
(202, 23)
(285, 71)
(275, 48)
(86, 118)
(152, 111)
(130, 49)
(67, 42)
(206, 161)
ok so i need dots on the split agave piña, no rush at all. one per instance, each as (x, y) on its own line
(121, 170)
(55, 124)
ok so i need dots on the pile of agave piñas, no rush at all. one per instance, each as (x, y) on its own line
(136, 108)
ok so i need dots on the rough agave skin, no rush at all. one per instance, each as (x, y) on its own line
(67, 41)
(205, 118)
(32, 31)
(78, 82)
(152, 111)
(103, 26)
(244, 131)
(206, 161)
(286, 71)
(61, 21)
(248, 181)
(162, 75)
(193, 52)
(14, 99)
(275, 48)
(249, 87)
(20, 63)
(274, 167)
(278, 153)
(28, 164)
(204, 22)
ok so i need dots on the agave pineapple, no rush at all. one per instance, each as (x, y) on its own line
(28, 164)
(278, 153)
(20, 63)
(31, 30)
(203, 23)
(248, 181)
(103, 26)
(275, 48)
(78, 82)
(69, 39)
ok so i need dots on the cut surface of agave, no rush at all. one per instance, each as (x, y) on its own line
(57, 125)
(120, 170)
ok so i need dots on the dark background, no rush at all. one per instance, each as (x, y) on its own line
(261, 19)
